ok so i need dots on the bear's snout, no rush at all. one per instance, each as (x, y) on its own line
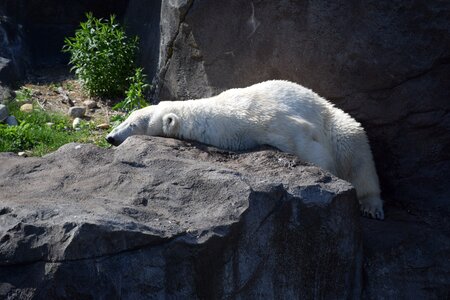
(112, 141)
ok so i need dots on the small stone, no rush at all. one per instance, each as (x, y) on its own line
(25, 153)
(3, 112)
(49, 124)
(76, 123)
(77, 111)
(27, 107)
(103, 126)
(90, 104)
(12, 121)
(5, 94)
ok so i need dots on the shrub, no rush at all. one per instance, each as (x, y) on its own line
(135, 96)
(102, 56)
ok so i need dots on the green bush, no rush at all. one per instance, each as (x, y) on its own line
(102, 56)
(135, 96)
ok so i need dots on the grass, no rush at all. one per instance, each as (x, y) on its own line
(40, 132)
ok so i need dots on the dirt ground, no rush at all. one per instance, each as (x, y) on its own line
(56, 90)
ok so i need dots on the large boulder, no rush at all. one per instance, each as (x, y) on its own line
(164, 218)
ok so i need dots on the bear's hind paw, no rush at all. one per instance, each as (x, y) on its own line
(372, 208)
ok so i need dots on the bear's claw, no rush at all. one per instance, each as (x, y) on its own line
(372, 206)
(372, 211)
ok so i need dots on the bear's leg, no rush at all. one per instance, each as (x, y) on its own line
(365, 180)
(298, 137)
(312, 151)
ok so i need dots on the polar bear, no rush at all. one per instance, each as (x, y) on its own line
(278, 113)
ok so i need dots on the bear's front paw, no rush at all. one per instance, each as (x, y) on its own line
(372, 207)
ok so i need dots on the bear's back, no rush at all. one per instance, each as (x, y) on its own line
(276, 99)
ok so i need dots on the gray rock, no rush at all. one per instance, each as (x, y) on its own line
(161, 218)
(77, 111)
(11, 121)
(3, 112)
(5, 94)
(90, 104)
(13, 53)
(8, 73)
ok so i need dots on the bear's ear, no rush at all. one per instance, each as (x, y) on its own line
(171, 123)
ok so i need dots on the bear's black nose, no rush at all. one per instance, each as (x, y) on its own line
(111, 140)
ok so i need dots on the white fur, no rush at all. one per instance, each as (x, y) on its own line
(278, 113)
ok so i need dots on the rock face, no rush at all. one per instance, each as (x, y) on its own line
(357, 55)
(405, 257)
(161, 218)
(13, 54)
(386, 63)
(142, 18)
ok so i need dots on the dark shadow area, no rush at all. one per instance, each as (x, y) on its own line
(45, 24)
(142, 19)
(49, 74)
(32, 35)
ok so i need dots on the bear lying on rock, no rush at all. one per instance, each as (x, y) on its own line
(278, 113)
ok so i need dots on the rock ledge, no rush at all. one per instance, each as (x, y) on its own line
(165, 218)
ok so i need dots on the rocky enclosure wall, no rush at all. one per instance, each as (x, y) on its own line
(386, 63)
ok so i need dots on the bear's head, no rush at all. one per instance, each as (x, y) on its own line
(155, 120)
